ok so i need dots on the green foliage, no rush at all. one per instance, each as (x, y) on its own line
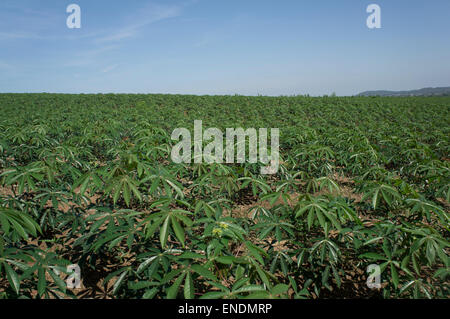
(88, 180)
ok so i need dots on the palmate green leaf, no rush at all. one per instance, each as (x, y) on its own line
(281, 258)
(444, 191)
(2, 247)
(173, 290)
(88, 180)
(255, 252)
(427, 240)
(150, 229)
(125, 186)
(167, 218)
(406, 286)
(325, 277)
(25, 177)
(324, 248)
(317, 208)
(20, 265)
(256, 185)
(310, 219)
(249, 288)
(189, 287)
(394, 275)
(415, 264)
(427, 208)
(344, 211)
(150, 294)
(279, 289)
(387, 248)
(214, 295)
(227, 260)
(112, 275)
(275, 196)
(19, 222)
(135, 191)
(430, 251)
(116, 195)
(375, 199)
(320, 218)
(4, 223)
(58, 281)
(377, 191)
(266, 232)
(336, 276)
(205, 207)
(405, 262)
(179, 214)
(126, 194)
(119, 282)
(179, 231)
(141, 285)
(241, 282)
(12, 277)
(202, 271)
(326, 182)
(259, 295)
(191, 255)
(145, 264)
(171, 275)
(176, 188)
(415, 287)
(373, 240)
(163, 179)
(442, 273)
(42, 282)
(154, 185)
(164, 233)
(262, 275)
(113, 242)
(18, 228)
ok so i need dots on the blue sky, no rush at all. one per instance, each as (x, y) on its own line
(269, 47)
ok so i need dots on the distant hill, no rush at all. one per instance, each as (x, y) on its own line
(442, 91)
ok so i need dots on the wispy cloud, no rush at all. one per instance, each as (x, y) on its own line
(89, 57)
(26, 21)
(44, 21)
(151, 14)
(17, 35)
(110, 68)
(5, 66)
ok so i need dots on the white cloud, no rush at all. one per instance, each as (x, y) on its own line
(17, 35)
(88, 57)
(110, 68)
(5, 66)
(151, 14)
(43, 21)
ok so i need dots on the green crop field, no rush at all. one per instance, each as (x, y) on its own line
(88, 180)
